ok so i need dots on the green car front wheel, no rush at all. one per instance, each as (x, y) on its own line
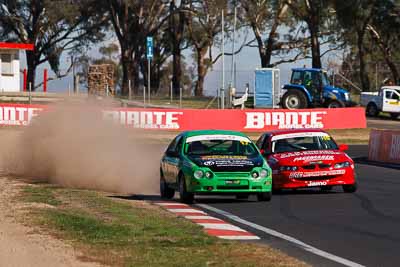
(264, 196)
(184, 195)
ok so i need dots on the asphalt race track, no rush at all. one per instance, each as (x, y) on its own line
(363, 227)
(360, 229)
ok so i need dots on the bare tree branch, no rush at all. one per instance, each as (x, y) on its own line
(58, 76)
(243, 45)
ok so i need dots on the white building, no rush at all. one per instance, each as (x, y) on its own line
(9, 66)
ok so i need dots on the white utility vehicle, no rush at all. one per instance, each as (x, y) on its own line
(386, 100)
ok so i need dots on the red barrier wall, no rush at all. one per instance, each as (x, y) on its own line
(384, 146)
(240, 120)
(196, 119)
(19, 114)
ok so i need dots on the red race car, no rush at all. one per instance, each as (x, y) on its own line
(307, 158)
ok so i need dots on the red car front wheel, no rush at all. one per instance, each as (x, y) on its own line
(350, 188)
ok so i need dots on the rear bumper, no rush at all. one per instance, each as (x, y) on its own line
(282, 181)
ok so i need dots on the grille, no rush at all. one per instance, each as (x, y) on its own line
(232, 174)
(309, 167)
(227, 187)
(324, 166)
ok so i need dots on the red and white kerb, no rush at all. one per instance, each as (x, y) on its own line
(212, 226)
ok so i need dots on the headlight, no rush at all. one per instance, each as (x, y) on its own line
(288, 168)
(209, 175)
(198, 174)
(341, 165)
(255, 174)
(263, 173)
(347, 96)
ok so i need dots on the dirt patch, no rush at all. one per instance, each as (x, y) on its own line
(21, 245)
(72, 145)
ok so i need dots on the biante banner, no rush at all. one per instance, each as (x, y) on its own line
(196, 119)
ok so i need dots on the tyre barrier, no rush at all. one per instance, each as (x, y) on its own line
(384, 146)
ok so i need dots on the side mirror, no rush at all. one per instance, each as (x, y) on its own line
(343, 147)
(264, 152)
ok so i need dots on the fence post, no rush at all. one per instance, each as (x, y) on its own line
(376, 76)
(25, 79)
(129, 90)
(144, 96)
(230, 90)
(218, 97)
(171, 90)
(30, 93)
(222, 96)
(45, 81)
(76, 84)
(180, 97)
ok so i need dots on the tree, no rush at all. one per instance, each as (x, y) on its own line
(264, 18)
(52, 26)
(313, 13)
(178, 38)
(186, 80)
(204, 25)
(161, 53)
(384, 29)
(109, 51)
(132, 22)
(354, 16)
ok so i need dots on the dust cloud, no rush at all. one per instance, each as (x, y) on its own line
(73, 146)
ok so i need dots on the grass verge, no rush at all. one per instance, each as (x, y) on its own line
(341, 136)
(351, 136)
(187, 102)
(133, 233)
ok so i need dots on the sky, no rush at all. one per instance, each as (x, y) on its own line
(246, 62)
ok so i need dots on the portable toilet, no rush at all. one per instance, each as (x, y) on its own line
(267, 88)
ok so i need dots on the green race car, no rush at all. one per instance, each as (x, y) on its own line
(214, 162)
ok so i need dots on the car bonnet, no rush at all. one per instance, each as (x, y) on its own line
(311, 157)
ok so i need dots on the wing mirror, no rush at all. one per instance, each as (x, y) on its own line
(264, 152)
(343, 147)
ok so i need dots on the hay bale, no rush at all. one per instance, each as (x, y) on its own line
(101, 77)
